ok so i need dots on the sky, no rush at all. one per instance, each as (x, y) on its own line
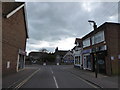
(57, 24)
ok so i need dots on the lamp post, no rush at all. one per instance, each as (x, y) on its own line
(95, 55)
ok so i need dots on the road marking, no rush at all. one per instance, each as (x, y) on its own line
(24, 81)
(51, 70)
(85, 81)
(55, 82)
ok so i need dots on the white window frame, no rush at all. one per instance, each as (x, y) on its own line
(88, 42)
(97, 34)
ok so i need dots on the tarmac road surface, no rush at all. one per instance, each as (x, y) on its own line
(54, 76)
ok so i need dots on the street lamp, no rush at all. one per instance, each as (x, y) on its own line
(96, 60)
(94, 24)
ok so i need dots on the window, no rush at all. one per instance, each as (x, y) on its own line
(86, 42)
(98, 37)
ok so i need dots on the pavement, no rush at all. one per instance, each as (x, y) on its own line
(61, 76)
(13, 79)
(102, 81)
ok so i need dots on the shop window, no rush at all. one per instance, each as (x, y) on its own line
(87, 62)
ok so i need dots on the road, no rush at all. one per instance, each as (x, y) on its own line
(53, 76)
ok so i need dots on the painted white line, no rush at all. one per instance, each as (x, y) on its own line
(55, 82)
(24, 81)
(85, 81)
(51, 70)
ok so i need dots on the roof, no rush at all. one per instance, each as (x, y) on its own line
(61, 52)
(79, 40)
(100, 28)
(10, 8)
(68, 53)
(36, 53)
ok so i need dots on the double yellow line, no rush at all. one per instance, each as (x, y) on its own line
(24, 81)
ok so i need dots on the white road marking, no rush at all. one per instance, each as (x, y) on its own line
(55, 82)
(51, 70)
(24, 81)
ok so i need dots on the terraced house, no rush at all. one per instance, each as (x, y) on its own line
(14, 36)
(101, 49)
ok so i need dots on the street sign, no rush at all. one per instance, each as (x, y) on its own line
(112, 58)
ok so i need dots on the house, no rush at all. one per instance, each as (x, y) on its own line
(37, 57)
(77, 52)
(14, 36)
(68, 58)
(59, 54)
(101, 49)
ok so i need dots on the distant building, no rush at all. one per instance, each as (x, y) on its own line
(59, 54)
(77, 52)
(68, 58)
(37, 57)
(102, 46)
(14, 35)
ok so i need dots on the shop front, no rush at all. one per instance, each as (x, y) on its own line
(21, 60)
(87, 62)
(99, 63)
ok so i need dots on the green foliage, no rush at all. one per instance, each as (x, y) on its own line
(50, 57)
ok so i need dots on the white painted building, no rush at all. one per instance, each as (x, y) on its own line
(68, 58)
(77, 52)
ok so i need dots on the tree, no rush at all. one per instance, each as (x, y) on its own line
(43, 50)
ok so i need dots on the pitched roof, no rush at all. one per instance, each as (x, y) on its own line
(68, 53)
(10, 8)
(78, 40)
(61, 52)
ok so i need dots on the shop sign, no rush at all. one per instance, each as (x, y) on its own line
(87, 51)
(119, 56)
(101, 61)
(102, 48)
(22, 52)
(112, 58)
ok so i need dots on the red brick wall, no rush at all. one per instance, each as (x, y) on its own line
(113, 48)
(14, 38)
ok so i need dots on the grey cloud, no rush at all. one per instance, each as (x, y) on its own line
(55, 20)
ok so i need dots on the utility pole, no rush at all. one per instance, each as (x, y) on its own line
(95, 55)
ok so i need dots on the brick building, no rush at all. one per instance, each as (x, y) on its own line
(101, 49)
(14, 35)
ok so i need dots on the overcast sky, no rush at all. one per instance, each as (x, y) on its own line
(57, 24)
